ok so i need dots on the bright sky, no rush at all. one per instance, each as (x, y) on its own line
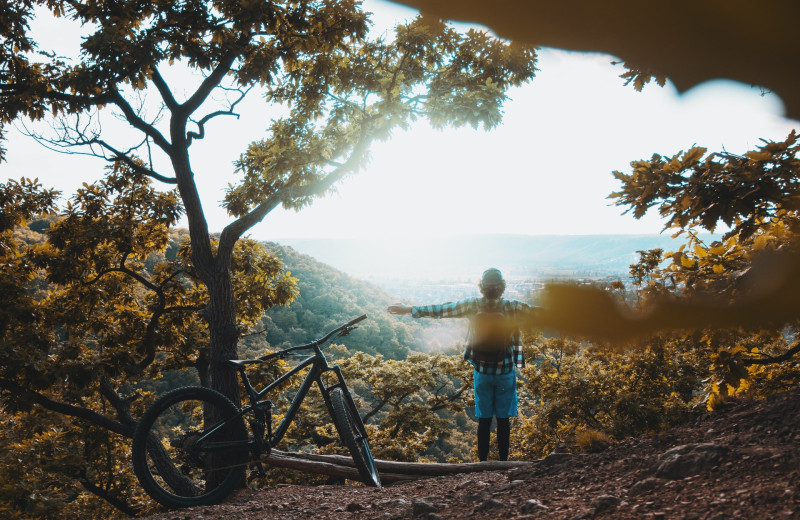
(545, 170)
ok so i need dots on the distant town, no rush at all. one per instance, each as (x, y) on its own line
(419, 291)
(448, 269)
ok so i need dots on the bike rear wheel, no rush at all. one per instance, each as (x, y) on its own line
(190, 448)
(348, 423)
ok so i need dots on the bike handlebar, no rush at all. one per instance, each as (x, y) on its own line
(341, 330)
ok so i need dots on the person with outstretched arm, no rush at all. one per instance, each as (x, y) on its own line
(493, 347)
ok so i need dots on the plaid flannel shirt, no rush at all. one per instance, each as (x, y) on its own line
(467, 309)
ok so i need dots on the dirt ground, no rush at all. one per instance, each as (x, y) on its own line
(740, 462)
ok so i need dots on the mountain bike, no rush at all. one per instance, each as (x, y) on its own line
(192, 447)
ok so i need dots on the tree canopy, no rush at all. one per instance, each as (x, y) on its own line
(341, 91)
(99, 311)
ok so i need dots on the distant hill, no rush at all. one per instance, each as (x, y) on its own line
(467, 256)
(329, 297)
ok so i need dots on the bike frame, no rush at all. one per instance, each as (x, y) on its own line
(319, 366)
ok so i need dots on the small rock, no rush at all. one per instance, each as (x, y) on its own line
(391, 502)
(689, 459)
(532, 506)
(354, 506)
(604, 502)
(466, 483)
(511, 485)
(422, 507)
(477, 497)
(644, 486)
(556, 458)
(492, 503)
(561, 448)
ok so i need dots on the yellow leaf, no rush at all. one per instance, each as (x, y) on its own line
(758, 156)
(761, 241)
(718, 268)
(718, 250)
(688, 262)
(693, 155)
(700, 252)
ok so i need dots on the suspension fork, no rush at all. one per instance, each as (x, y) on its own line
(340, 383)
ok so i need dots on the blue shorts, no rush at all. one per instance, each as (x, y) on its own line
(495, 395)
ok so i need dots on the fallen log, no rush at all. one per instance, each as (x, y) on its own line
(390, 471)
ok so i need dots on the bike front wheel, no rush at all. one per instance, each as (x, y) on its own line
(190, 448)
(347, 421)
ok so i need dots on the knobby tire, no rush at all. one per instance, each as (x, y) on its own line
(344, 417)
(172, 466)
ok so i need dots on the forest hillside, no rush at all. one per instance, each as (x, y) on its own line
(327, 297)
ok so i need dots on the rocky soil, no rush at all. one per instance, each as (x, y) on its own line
(740, 462)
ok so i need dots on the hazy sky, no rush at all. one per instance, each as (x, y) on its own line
(545, 170)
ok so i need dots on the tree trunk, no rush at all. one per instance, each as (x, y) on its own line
(224, 334)
(390, 471)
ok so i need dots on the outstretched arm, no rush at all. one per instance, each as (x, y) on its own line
(399, 309)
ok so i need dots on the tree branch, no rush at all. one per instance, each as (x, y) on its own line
(768, 360)
(138, 168)
(140, 124)
(208, 85)
(449, 399)
(120, 404)
(164, 90)
(148, 342)
(375, 410)
(87, 101)
(201, 124)
(107, 496)
(68, 409)
(237, 228)
(124, 270)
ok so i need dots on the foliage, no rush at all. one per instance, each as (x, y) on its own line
(574, 388)
(102, 310)
(742, 192)
(413, 403)
(750, 278)
(755, 196)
